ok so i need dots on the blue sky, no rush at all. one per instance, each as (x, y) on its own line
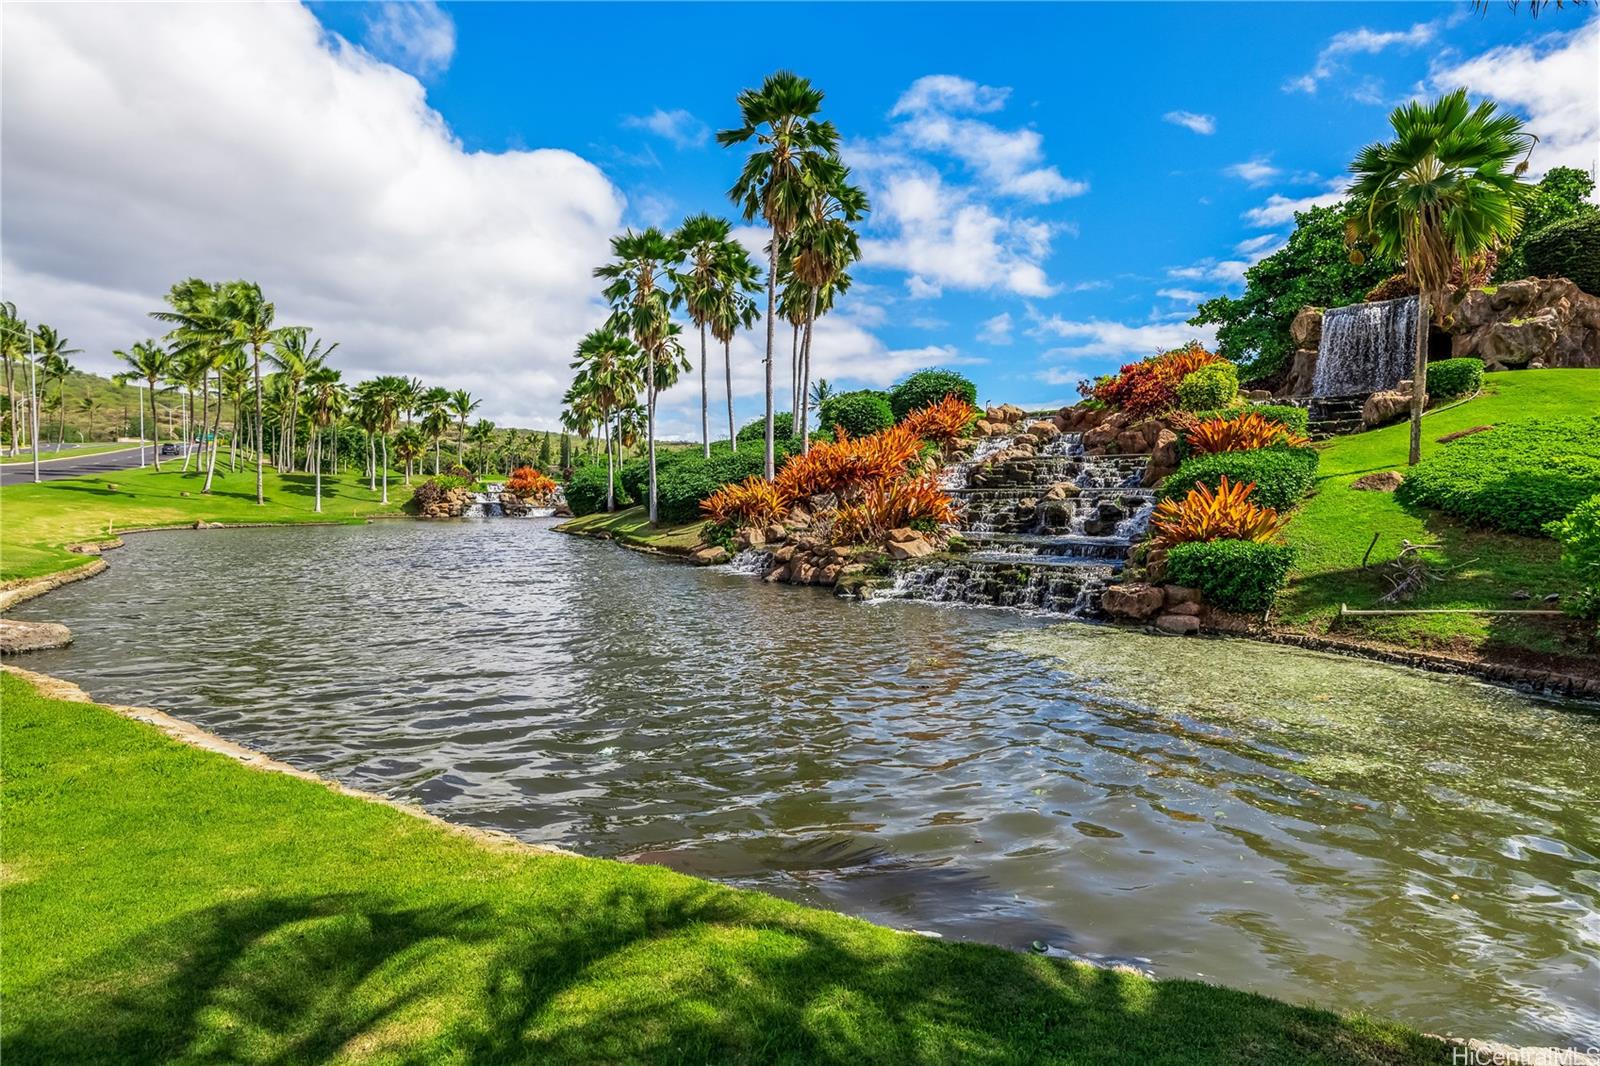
(1054, 185)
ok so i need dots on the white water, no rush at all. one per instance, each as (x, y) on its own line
(1365, 347)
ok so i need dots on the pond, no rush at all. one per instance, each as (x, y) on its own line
(1306, 826)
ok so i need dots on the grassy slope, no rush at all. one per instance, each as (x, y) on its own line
(36, 521)
(1332, 529)
(630, 526)
(166, 904)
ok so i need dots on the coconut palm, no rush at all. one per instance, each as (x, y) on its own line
(13, 350)
(608, 379)
(734, 309)
(434, 404)
(695, 288)
(410, 445)
(202, 344)
(461, 405)
(51, 351)
(296, 360)
(641, 308)
(90, 405)
(326, 397)
(366, 414)
(147, 361)
(389, 395)
(481, 436)
(1440, 196)
(233, 375)
(774, 184)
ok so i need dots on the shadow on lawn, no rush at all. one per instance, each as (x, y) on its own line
(699, 974)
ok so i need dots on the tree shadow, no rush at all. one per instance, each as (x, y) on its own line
(602, 971)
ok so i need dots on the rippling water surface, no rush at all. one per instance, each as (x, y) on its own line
(1306, 826)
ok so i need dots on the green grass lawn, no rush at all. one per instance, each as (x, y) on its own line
(164, 904)
(1332, 529)
(71, 451)
(631, 526)
(37, 521)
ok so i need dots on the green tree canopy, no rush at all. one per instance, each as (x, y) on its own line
(1561, 194)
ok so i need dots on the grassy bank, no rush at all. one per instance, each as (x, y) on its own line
(1332, 530)
(631, 526)
(166, 904)
(38, 521)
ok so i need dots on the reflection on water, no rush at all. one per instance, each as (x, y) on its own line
(1302, 825)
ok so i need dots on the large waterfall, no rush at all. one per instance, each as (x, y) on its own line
(1366, 348)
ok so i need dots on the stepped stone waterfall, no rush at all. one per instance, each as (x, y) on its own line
(1047, 529)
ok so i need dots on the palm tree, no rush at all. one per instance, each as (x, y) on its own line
(202, 344)
(733, 310)
(13, 350)
(481, 436)
(389, 396)
(700, 242)
(824, 244)
(821, 392)
(295, 360)
(434, 404)
(233, 381)
(410, 445)
(149, 361)
(367, 416)
(640, 307)
(1445, 192)
(461, 405)
(774, 182)
(608, 379)
(326, 397)
(90, 405)
(51, 351)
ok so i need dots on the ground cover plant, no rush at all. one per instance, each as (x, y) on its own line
(292, 923)
(1235, 575)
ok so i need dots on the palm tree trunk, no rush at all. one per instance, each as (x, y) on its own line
(650, 429)
(155, 426)
(461, 441)
(317, 438)
(1419, 378)
(385, 468)
(794, 376)
(804, 421)
(436, 457)
(772, 301)
(611, 489)
(372, 463)
(216, 430)
(16, 409)
(61, 402)
(727, 368)
(705, 399)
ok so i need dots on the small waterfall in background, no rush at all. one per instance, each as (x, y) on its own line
(756, 561)
(1366, 347)
(487, 504)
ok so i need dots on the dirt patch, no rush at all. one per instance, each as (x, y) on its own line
(1458, 434)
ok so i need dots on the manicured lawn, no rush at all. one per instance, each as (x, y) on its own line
(631, 526)
(71, 451)
(165, 904)
(37, 521)
(1332, 530)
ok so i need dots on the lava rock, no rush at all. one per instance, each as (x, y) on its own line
(1132, 602)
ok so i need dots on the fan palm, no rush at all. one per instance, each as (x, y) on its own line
(461, 405)
(481, 436)
(640, 307)
(326, 397)
(1446, 191)
(148, 361)
(295, 360)
(434, 404)
(233, 373)
(774, 183)
(824, 244)
(13, 350)
(90, 405)
(410, 445)
(700, 242)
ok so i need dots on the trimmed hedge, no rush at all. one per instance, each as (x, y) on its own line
(1579, 534)
(862, 412)
(927, 387)
(1568, 249)
(1235, 575)
(1518, 477)
(756, 430)
(1282, 475)
(1213, 385)
(586, 490)
(1449, 378)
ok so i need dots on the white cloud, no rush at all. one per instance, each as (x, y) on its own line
(1330, 60)
(997, 330)
(1257, 171)
(319, 172)
(1280, 209)
(1201, 124)
(1226, 271)
(1183, 295)
(414, 35)
(1259, 247)
(947, 92)
(1098, 337)
(677, 126)
(1552, 81)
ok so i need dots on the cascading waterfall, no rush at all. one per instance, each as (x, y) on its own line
(1365, 348)
(1047, 529)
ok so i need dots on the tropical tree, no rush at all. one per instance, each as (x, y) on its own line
(734, 309)
(821, 392)
(461, 405)
(51, 351)
(696, 286)
(90, 405)
(326, 397)
(148, 361)
(410, 445)
(434, 404)
(775, 182)
(1440, 196)
(824, 243)
(13, 350)
(481, 436)
(641, 308)
(608, 379)
(296, 360)
(201, 344)
(390, 393)
(367, 415)
(233, 373)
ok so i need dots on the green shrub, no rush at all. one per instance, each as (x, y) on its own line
(689, 478)
(1579, 534)
(1298, 419)
(586, 490)
(927, 387)
(1568, 249)
(1212, 386)
(861, 413)
(756, 429)
(1282, 475)
(1235, 575)
(1518, 477)
(1449, 378)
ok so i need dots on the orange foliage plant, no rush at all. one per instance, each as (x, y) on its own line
(1240, 434)
(1226, 514)
(755, 501)
(530, 484)
(942, 423)
(891, 505)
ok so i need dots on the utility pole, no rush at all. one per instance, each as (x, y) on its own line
(33, 409)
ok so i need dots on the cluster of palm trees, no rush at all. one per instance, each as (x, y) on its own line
(42, 352)
(795, 183)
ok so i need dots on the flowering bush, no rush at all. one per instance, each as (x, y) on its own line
(892, 505)
(755, 501)
(1226, 514)
(1241, 434)
(530, 484)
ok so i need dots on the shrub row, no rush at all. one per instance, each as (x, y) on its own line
(1518, 477)
(1568, 249)
(1579, 534)
(1282, 475)
(1449, 378)
(586, 490)
(684, 476)
(1235, 575)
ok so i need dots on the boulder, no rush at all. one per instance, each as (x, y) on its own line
(910, 549)
(1181, 625)
(1388, 406)
(751, 537)
(1131, 602)
(1191, 609)
(1302, 373)
(829, 574)
(775, 534)
(1061, 490)
(1096, 439)
(784, 554)
(1045, 431)
(709, 554)
(1306, 329)
(18, 637)
(1387, 481)
(904, 533)
(1174, 595)
(1516, 343)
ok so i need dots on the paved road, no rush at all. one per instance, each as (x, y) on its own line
(71, 466)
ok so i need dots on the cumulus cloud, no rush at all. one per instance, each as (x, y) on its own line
(1098, 337)
(947, 92)
(1201, 124)
(317, 170)
(1225, 271)
(996, 330)
(1331, 60)
(1279, 209)
(414, 35)
(1259, 247)
(677, 126)
(1182, 295)
(1550, 80)
(1256, 171)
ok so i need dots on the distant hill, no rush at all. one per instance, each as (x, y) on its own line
(116, 415)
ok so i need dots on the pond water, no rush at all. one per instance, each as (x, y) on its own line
(1306, 826)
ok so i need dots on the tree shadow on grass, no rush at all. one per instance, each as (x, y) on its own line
(674, 971)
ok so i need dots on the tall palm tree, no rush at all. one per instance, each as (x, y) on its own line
(148, 361)
(13, 350)
(1445, 192)
(201, 336)
(410, 445)
(90, 405)
(695, 288)
(434, 404)
(481, 436)
(326, 397)
(51, 350)
(233, 380)
(773, 185)
(390, 393)
(823, 245)
(367, 415)
(641, 308)
(734, 309)
(295, 360)
(608, 379)
(461, 405)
